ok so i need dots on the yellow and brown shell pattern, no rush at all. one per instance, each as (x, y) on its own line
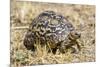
(50, 27)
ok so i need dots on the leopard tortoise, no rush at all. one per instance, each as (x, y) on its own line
(55, 29)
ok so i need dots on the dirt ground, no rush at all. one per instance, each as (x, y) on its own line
(81, 16)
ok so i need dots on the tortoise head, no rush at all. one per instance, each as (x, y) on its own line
(74, 35)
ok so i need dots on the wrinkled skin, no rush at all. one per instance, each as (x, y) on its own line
(71, 41)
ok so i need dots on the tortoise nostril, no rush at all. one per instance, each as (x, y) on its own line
(79, 35)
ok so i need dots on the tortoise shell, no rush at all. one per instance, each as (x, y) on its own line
(49, 27)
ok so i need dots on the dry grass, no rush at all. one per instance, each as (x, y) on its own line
(81, 16)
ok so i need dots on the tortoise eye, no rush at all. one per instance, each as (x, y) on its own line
(78, 35)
